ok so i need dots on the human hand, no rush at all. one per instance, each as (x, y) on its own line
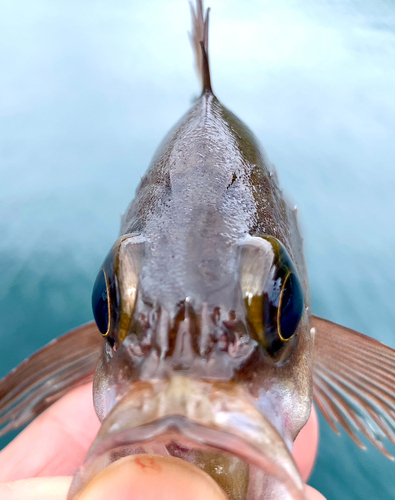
(39, 462)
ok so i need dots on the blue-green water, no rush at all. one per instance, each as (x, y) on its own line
(87, 91)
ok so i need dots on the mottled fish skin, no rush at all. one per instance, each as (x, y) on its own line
(175, 282)
(174, 279)
(209, 187)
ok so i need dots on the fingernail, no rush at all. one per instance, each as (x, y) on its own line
(152, 477)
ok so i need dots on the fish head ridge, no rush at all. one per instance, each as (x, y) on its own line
(195, 243)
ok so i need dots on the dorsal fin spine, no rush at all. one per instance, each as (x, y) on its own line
(199, 39)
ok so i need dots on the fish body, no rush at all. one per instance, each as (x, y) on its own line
(203, 303)
(179, 280)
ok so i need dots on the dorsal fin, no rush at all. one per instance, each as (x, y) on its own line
(199, 40)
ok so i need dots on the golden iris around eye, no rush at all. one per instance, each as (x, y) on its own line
(272, 292)
(255, 314)
(290, 308)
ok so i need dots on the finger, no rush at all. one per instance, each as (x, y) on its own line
(48, 488)
(306, 445)
(163, 479)
(152, 477)
(313, 494)
(65, 431)
(57, 440)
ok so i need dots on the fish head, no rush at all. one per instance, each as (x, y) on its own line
(203, 305)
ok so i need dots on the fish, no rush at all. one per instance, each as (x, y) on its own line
(192, 306)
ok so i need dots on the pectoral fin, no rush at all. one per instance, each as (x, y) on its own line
(42, 379)
(354, 383)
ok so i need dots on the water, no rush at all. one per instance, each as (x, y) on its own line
(88, 89)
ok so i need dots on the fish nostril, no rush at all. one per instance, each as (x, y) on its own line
(216, 316)
(223, 341)
(144, 321)
(190, 340)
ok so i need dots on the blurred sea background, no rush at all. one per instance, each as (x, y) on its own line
(88, 89)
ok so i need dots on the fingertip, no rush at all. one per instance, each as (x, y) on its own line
(313, 494)
(152, 477)
(306, 445)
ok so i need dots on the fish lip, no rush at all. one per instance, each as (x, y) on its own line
(220, 419)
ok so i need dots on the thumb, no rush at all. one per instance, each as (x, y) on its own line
(152, 477)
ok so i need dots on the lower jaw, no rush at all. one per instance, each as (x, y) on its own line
(211, 425)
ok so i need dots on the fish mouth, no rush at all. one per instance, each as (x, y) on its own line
(213, 425)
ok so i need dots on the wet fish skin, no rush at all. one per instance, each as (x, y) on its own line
(207, 202)
(186, 216)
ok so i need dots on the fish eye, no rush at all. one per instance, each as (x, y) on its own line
(114, 293)
(272, 292)
(101, 304)
(290, 309)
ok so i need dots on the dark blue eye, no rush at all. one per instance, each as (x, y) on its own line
(290, 309)
(274, 297)
(100, 303)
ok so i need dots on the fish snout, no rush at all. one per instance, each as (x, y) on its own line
(214, 425)
(208, 344)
